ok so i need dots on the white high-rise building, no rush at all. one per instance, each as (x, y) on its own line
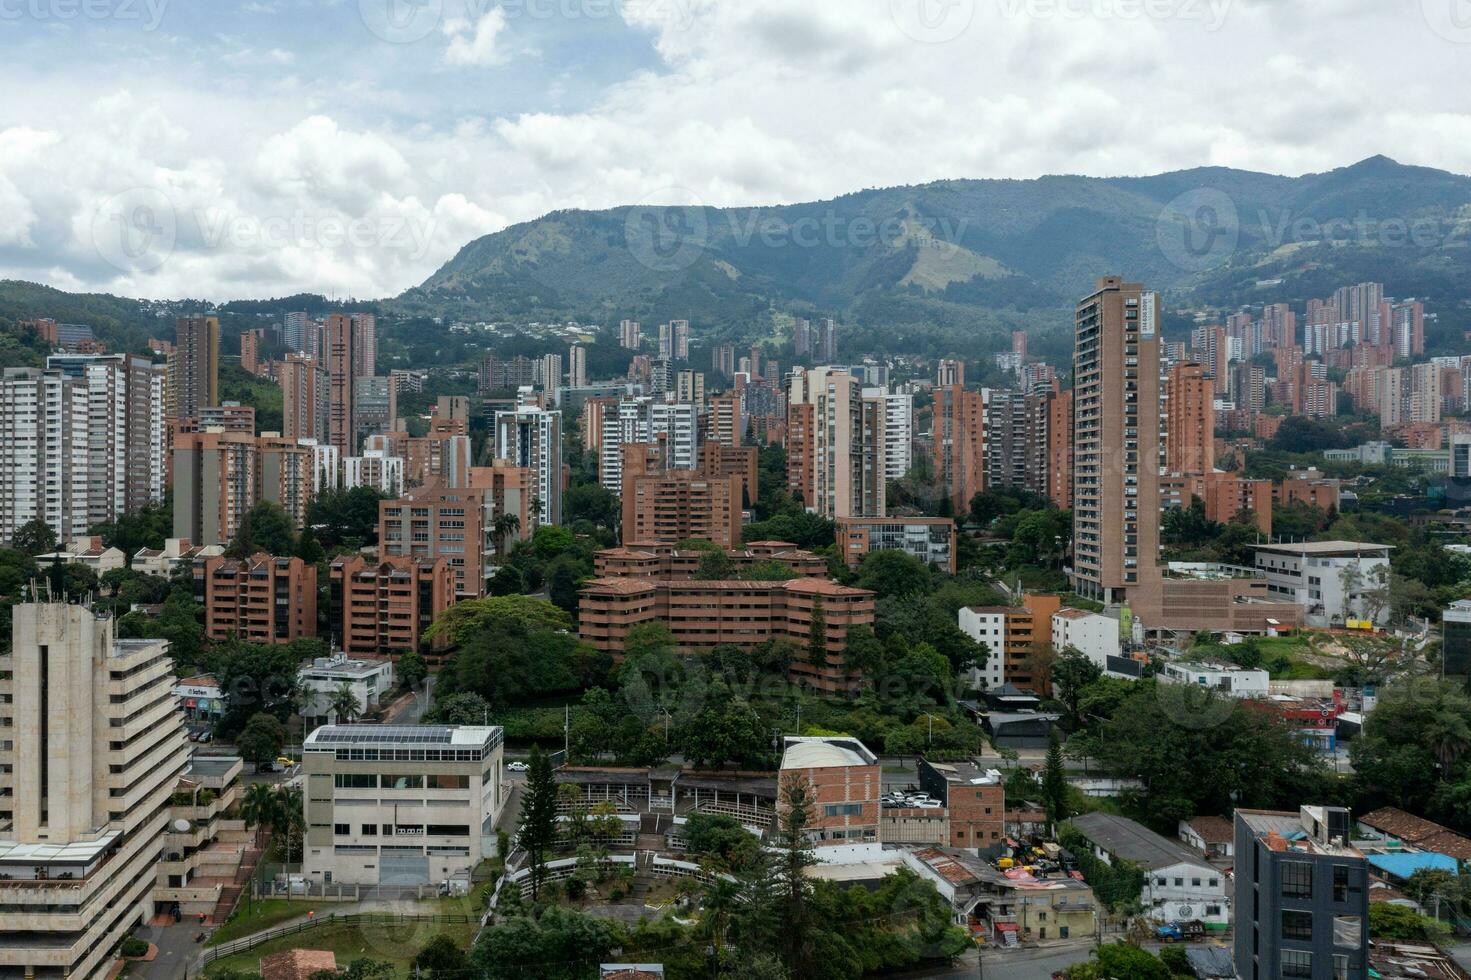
(576, 367)
(643, 420)
(898, 430)
(93, 740)
(531, 437)
(374, 468)
(549, 371)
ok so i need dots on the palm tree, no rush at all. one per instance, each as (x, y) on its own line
(259, 807)
(503, 527)
(537, 508)
(344, 705)
(290, 817)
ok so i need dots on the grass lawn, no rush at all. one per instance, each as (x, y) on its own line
(396, 945)
(264, 914)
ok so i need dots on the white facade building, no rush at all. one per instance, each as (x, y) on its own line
(898, 430)
(1334, 581)
(531, 436)
(1094, 635)
(376, 469)
(986, 625)
(400, 805)
(644, 420)
(1238, 682)
(1179, 885)
(368, 680)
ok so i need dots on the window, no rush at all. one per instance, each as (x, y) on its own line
(1342, 878)
(1179, 882)
(448, 782)
(369, 830)
(1297, 925)
(1194, 882)
(1340, 967)
(1297, 879)
(403, 782)
(1296, 963)
(1212, 910)
(1215, 883)
(448, 830)
(843, 809)
(353, 780)
(341, 829)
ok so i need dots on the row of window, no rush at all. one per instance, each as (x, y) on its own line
(403, 830)
(368, 780)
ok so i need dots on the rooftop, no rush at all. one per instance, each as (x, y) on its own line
(825, 753)
(1288, 831)
(1418, 831)
(1213, 830)
(967, 773)
(396, 736)
(1324, 549)
(1134, 842)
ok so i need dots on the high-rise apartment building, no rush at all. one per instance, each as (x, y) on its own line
(846, 456)
(431, 523)
(1060, 449)
(802, 336)
(374, 406)
(126, 434)
(364, 345)
(549, 372)
(1007, 442)
(306, 398)
(376, 468)
(383, 608)
(727, 419)
(1190, 420)
(898, 430)
(950, 373)
(666, 506)
(576, 367)
(723, 360)
(629, 335)
(824, 341)
(337, 358)
(689, 388)
(250, 341)
(94, 746)
(295, 331)
(194, 367)
(673, 425)
(959, 440)
(1116, 440)
(531, 437)
(285, 475)
(214, 484)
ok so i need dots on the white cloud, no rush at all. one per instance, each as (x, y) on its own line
(475, 44)
(369, 164)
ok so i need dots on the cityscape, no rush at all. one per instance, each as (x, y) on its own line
(438, 543)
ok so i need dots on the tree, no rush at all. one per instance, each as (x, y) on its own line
(538, 827)
(412, 670)
(715, 566)
(1387, 921)
(795, 804)
(504, 527)
(34, 537)
(308, 548)
(891, 573)
(262, 739)
(1072, 673)
(1054, 782)
(344, 705)
(1415, 751)
(507, 581)
(442, 959)
(560, 944)
(258, 806)
(463, 620)
(1118, 960)
(266, 528)
(564, 579)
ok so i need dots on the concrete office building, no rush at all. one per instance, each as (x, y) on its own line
(1116, 429)
(260, 599)
(1302, 896)
(1334, 581)
(400, 805)
(94, 745)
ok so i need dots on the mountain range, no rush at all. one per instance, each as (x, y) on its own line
(956, 264)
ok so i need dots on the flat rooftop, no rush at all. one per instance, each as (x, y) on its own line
(1135, 842)
(1324, 549)
(966, 773)
(401, 736)
(825, 753)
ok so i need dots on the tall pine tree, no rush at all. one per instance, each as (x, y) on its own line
(538, 829)
(1054, 782)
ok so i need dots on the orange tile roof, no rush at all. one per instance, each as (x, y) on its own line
(1424, 834)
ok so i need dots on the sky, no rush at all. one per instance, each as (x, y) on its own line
(221, 149)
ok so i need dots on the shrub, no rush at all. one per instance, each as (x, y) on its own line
(133, 946)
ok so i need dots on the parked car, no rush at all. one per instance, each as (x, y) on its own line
(206, 736)
(284, 762)
(518, 767)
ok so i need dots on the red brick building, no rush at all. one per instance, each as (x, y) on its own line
(260, 599)
(844, 782)
(702, 615)
(382, 608)
(667, 563)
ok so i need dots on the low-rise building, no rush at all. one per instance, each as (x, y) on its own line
(703, 615)
(368, 680)
(174, 553)
(260, 599)
(1302, 896)
(201, 697)
(1006, 906)
(203, 849)
(400, 805)
(974, 801)
(1239, 682)
(845, 782)
(1334, 581)
(1094, 635)
(1178, 885)
(1014, 636)
(1213, 836)
(930, 539)
(87, 551)
(644, 559)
